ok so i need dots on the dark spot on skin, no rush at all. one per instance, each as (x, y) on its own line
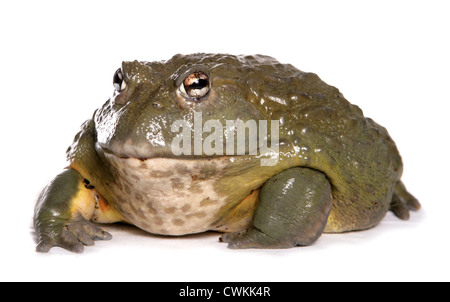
(181, 169)
(194, 177)
(158, 221)
(161, 173)
(141, 215)
(89, 187)
(206, 201)
(186, 208)
(138, 212)
(170, 210)
(176, 184)
(86, 181)
(196, 188)
(150, 208)
(178, 222)
(197, 215)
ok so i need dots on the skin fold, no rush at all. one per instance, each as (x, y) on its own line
(336, 170)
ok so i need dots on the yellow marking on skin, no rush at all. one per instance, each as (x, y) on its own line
(91, 204)
(332, 225)
(83, 202)
(240, 216)
(104, 212)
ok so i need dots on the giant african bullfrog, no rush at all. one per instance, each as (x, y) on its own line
(180, 146)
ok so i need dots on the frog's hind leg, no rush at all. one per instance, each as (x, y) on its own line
(293, 210)
(402, 202)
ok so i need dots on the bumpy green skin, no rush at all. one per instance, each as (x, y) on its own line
(320, 131)
(293, 209)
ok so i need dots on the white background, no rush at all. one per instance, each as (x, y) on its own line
(389, 57)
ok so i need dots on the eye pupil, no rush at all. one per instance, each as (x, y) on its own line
(199, 84)
(196, 85)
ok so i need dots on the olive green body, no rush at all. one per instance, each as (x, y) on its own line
(125, 149)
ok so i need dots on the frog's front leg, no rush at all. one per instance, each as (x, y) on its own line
(62, 214)
(293, 210)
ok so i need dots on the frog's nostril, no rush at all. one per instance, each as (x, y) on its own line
(157, 105)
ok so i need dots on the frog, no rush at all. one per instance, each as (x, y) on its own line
(335, 170)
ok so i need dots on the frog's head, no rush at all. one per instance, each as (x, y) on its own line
(154, 102)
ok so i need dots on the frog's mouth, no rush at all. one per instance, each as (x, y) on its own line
(181, 147)
(130, 152)
(121, 153)
(269, 158)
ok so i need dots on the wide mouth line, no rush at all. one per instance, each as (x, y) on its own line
(104, 149)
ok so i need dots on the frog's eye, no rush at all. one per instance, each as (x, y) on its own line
(196, 85)
(118, 81)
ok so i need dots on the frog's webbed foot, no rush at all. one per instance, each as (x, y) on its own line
(293, 210)
(60, 215)
(402, 202)
(73, 236)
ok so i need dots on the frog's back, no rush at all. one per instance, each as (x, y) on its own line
(320, 129)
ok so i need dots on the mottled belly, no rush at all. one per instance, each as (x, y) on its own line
(169, 196)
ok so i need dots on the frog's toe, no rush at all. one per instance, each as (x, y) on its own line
(81, 232)
(85, 232)
(226, 238)
(69, 241)
(43, 246)
(253, 238)
(239, 239)
(66, 240)
(74, 236)
(402, 202)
